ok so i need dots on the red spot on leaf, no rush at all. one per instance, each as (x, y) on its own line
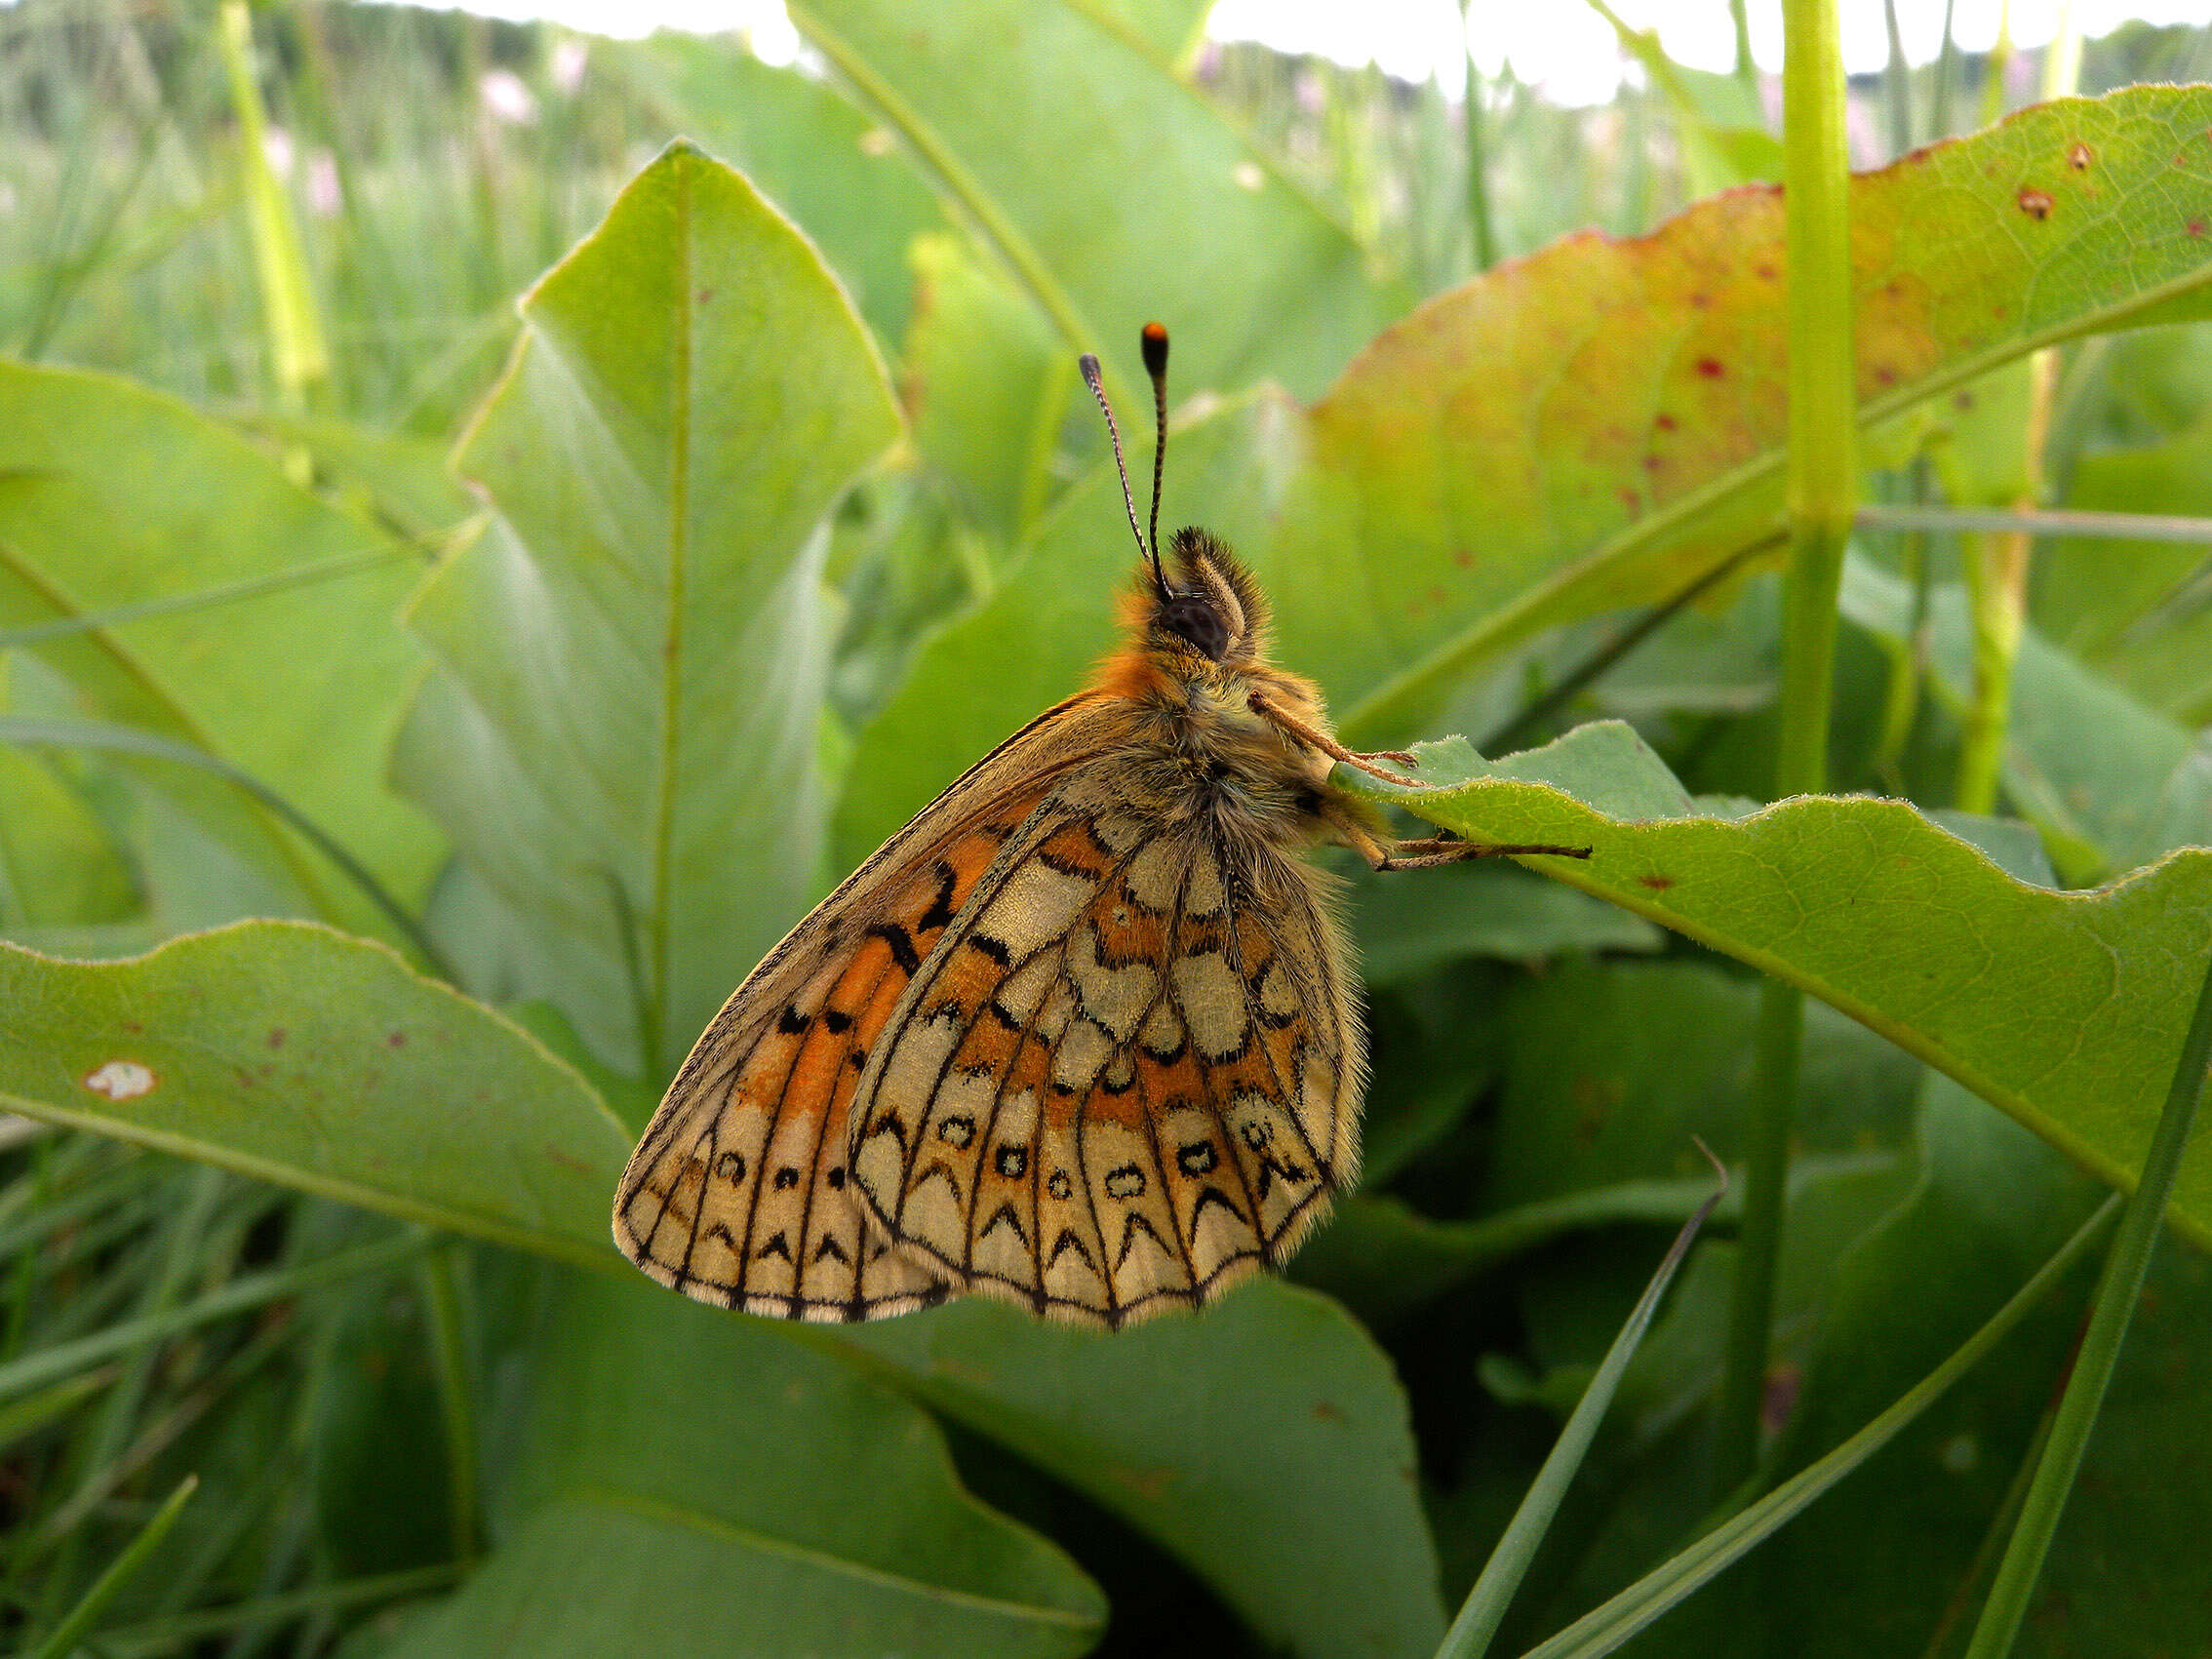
(1885, 375)
(1701, 301)
(1665, 423)
(1997, 310)
(705, 295)
(1710, 367)
(2196, 228)
(1464, 559)
(1436, 596)
(397, 1040)
(1630, 500)
(2079, 157)
(1764, 271)
(1653, 463)
(276, 1037)
(2035, 203)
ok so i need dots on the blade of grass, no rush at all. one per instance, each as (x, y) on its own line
(78, 1624)
(1493, 1592)
(2117, 1292)
(128, 741)
(441, 1297)
(178, 1632)
(275, 581)
(47, 1365)
(1821, 489)
(297, 350)
(1607, 1626)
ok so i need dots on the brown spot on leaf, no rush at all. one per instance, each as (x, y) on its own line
(276, 1037)
(705, 295)
(1328, 1412)
(1884, 373)
(1962, 400)
(1665, 423)
(1657, 883)
(2196, 228)
(397, 1040)
(1764, 271)
(1710, 367)
(2079, 157)
(1464, 559)
(2035, 203)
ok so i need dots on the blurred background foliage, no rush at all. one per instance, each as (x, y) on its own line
(258, 282)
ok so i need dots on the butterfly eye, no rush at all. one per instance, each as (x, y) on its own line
(1190, 618)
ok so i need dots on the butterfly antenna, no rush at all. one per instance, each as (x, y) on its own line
(1156, 364)
(1114, 435)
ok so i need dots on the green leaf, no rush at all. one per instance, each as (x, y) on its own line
(285, 1050)
(2112, 783)
(1043, 155)
(691, 1482)
(2137, 611)
(843, 180)
(624, 740)
(2066, 1009)
(1594, 425)
(112, 496)
(1264, 1443)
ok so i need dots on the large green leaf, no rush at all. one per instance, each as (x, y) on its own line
(624, 743)
(1083, 152)
(2065, 1009)
(694, 1484)
(287, 1052)
(841, 177)
(1591, 426)
(1587, 428)
(1265, 1442)
(118, 506)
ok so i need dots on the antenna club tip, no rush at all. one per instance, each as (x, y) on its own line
(1088, 364)
(1155, 338)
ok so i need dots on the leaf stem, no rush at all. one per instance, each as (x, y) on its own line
(2117, 1291)
(1821, 495)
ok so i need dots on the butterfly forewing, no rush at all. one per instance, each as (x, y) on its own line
(739, 1192)
(1125, 1076)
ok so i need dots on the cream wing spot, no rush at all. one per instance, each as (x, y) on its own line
(1203, 894)
(1114, 998)
(1035, 907)
(1155, 875)
(1213, 1000)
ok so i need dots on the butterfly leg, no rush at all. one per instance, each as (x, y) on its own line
(1316, 738)
(1429, 851)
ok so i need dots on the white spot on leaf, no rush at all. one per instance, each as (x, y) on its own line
(120, 1080)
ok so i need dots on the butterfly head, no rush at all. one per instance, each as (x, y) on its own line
(1201, 605)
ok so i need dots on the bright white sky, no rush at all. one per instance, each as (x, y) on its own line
(1563, 45)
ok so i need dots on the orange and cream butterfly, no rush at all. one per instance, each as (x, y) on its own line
(1083, 1035)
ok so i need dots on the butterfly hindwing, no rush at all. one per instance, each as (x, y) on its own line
(1125, 1076)
(739, 1192)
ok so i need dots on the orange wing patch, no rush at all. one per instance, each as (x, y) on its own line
(1125, 1079)
(739, 1192)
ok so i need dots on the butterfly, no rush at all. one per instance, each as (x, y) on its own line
(1085, 1035)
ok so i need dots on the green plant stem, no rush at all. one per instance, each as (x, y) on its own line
(298, 353)
(1758, 1242)
(1822, 495)
(1478, 162)
(1636, 1609)
(2117, 1291)
(441, 1297)
(1945, 77)
(1996, 563)
(1486, 1602)
(72, 1630)
(1747, 70)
